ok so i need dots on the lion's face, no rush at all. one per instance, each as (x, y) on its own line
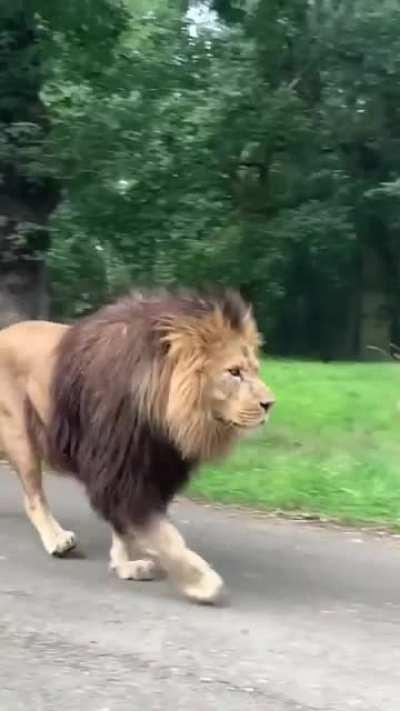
(234, 392)
(210, 391)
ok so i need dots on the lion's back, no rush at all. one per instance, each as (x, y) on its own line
(26, 342)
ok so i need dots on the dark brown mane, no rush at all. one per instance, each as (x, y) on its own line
(98, 431)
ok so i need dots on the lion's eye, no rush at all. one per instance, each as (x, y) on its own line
(235, 372)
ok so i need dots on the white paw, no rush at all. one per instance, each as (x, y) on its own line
(60, 543)
(208, 590)
(136, 570)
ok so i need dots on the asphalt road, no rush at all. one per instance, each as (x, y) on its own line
(313, 621)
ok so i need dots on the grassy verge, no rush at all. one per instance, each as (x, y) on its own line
(332, 446)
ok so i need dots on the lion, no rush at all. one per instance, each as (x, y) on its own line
(129, 401)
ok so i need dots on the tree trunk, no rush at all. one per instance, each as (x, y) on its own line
(375, 319)
(27, 195)
(24, 239)
(23, 293)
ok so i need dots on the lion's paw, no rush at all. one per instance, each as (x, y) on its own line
(60, 542)
(209, 590)
(136, 570)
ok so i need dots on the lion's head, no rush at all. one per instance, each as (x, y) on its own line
(205, 388)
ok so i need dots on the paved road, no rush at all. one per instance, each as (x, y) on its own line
(313, 622)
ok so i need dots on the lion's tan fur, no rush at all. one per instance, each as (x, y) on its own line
(27, 358)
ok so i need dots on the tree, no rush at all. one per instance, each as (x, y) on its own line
(30, 183)
(341, 60)
(27, 195)
(260, 151)
(362, 111)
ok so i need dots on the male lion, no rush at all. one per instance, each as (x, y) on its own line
(129, 401)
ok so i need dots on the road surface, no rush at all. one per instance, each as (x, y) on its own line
(313, 622)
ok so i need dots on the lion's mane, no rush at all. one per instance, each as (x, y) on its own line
(110, 397)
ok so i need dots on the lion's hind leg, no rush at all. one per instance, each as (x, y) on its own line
(23, 457)
(126, 562)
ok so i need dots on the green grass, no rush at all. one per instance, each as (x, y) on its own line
(332, 446)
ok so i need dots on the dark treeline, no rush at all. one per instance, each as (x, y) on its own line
(158, 141)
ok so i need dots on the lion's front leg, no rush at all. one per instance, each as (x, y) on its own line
(192, 575)
(126, 562)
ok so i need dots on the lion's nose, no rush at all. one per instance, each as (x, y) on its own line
(267, 402)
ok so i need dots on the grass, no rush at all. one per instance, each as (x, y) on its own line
(332, 447)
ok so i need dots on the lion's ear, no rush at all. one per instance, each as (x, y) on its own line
(248, 316)
(165, 347)
(251, 332)
(186, 336)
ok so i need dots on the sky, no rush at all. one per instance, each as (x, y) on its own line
(200, 14)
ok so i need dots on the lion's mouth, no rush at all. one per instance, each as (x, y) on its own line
(243, 426)
(248, 426)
